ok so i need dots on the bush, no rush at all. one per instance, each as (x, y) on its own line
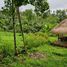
(7, 60)
(5, 50)
(35, 40)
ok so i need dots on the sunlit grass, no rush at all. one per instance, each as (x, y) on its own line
(56, 56)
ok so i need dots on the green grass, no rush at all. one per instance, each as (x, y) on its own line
(7, 38)
(55, 56)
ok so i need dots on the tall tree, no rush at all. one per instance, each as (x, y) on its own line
(18, 3)
(14, 30)
(40, 7)
(10, 7)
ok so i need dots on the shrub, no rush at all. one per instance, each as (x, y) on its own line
(5, 50)
(35, 40)
(7, 60)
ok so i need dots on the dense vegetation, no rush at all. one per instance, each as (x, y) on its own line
(27, 42)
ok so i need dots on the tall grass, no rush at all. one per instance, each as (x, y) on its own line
(56, 56)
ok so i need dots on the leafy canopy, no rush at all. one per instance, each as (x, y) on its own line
(40, 5)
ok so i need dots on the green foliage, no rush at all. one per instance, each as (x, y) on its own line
(7, 11)
(61, 14)
(31, 23)
(38, 25)
(7, 47)
(35, 40)
(38, 41)
(7, 60)
(20, 2)
(49, 23)
(5, 21)
(6, 50)
(40, 6)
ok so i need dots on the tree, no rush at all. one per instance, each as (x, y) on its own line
(10, 12)
(18, 3)
(40, 7)
(14, 30)
(6, 17)
(61, 14)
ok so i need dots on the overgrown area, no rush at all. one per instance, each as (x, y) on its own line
(26, 38)
(40, 51)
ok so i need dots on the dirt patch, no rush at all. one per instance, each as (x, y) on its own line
(37, 55)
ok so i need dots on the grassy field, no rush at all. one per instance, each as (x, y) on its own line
(40, 52)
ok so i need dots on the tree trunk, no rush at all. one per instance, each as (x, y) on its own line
(19, 18)
(14, 30)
